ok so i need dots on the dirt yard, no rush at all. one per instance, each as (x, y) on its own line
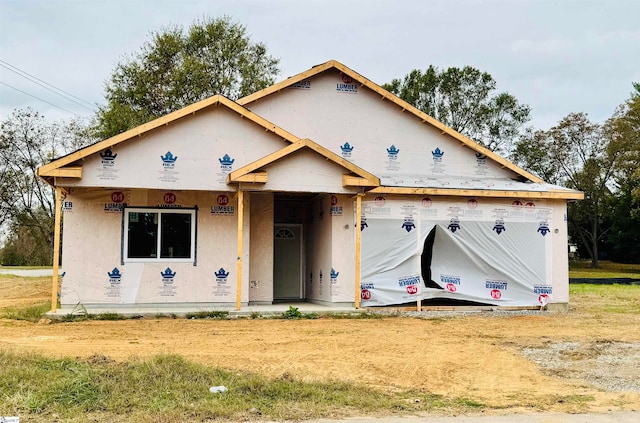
(584, 360)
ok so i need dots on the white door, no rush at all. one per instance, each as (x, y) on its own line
(287, 263)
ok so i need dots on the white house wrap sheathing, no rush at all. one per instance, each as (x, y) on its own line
(486, 251)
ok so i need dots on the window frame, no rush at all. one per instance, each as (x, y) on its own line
(159, 211)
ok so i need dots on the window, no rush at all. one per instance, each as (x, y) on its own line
(159, 234)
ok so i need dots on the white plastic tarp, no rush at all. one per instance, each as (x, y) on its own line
(490, 253)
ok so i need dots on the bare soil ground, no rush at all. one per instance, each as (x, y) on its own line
(583, 360)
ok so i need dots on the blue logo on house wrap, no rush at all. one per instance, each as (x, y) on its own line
(114, 276)
(221, 275)
(363, 223)
(481, 158)
(334, 275)
(108, 157)
(226, 163)
(392, 152)
(167, 275)
(408, 224)
(543, 289)
(169, 160)
(499, 226)
(346, 149)
(437, 154)
(544, 228)
(493, 284)
(454, 224)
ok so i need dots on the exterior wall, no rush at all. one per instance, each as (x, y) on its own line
(371, 125)
(343, 247)
(560, 269)
(319, 250)
(92, 242)
(305, 171)
(261, 248)
(199, 142)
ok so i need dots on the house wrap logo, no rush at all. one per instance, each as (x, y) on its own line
(481, 158)
(450, 282)
(346, 149)
(221, 275)
(108, 158)
(226, 163)
(437, 155)
(334, 275)
(167, 275)
(454, 224)
(363, 223)
(408, 224)
(169, 160)
(499, 226)
(114, 276)
(496, 288)
(543, 228)
(347, 85)
(392, 152)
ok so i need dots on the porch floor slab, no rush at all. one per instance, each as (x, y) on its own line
(182, 310)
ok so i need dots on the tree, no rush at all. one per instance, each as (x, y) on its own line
(465, 100)
(624, 131)
(177, 68)
(580, 155)
(27, 203)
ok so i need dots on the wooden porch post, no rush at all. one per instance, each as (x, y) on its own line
(239, 259)
(56, 251)
(358, 242)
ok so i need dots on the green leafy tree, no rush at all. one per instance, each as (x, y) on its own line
(624, 131)
(466, 100)
(580, 155)
(179, 67)
(27, 141)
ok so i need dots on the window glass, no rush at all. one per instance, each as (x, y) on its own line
(175, 238)
(142, 236)
(159, 235)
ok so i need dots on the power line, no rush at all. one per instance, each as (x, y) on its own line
(38, 98)
(45, 85)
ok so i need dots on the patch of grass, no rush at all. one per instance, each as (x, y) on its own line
(24, 267)
(607, 269)
(611, 298)
(207, 315)
(169, 388)
(31, 313)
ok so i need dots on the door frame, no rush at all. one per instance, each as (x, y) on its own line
(302, 258)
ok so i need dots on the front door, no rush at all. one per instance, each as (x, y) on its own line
(287, 262)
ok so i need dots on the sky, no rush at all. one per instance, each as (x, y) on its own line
(558, 57)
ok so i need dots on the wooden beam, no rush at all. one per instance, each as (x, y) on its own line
(358, 244)
(355, 181)
(254, 178)
(265, 160)
(64, 172)
(554, 195)
(56, 251)
(239, 258)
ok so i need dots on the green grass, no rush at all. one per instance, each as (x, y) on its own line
(24, 267)
(169, 388)
(607, 269)
(603, 299)
(30, 313)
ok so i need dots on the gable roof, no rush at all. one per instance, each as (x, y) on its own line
(361, 178)
(386, 95)
(60, 167)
